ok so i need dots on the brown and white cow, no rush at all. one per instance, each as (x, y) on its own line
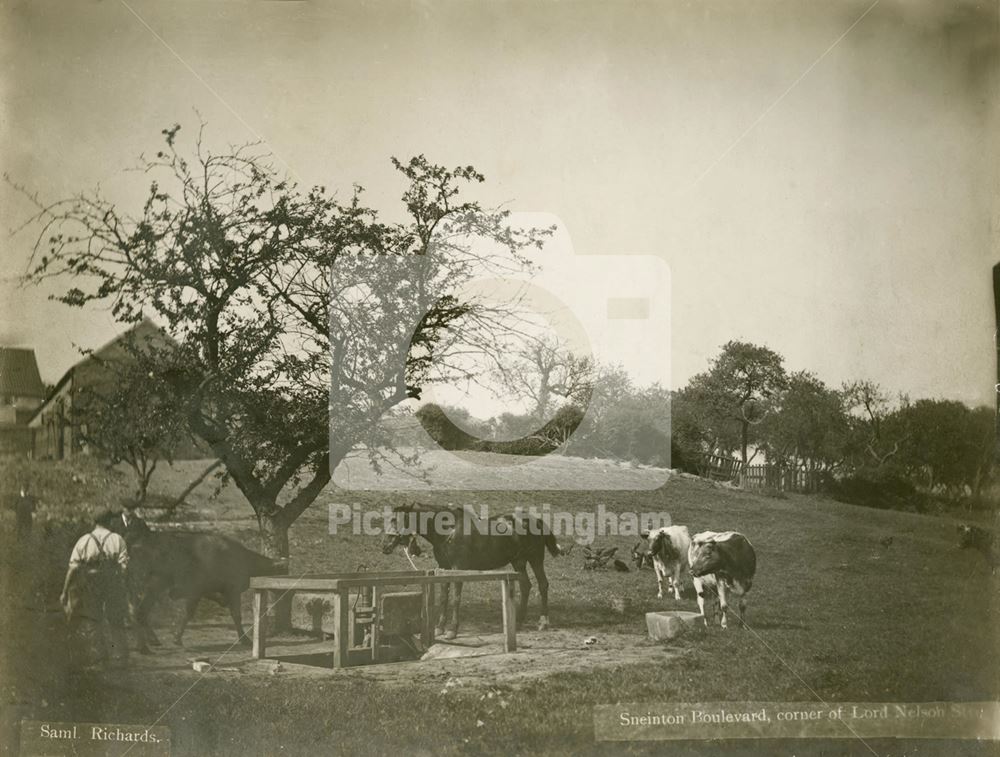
(668, 547)
(722, 562)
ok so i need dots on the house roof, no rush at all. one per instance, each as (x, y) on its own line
(19, 375)
(143, 335)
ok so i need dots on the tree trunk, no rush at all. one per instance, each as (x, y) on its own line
(141, 481)
(274, 544)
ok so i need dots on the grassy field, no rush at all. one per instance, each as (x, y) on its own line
(834, 615)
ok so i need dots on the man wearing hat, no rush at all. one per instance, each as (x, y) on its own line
(24, 509)
(95, 591)
(128, 523)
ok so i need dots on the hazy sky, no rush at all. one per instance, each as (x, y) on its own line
(815, 182)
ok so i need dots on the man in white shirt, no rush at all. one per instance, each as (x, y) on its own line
(94, 591)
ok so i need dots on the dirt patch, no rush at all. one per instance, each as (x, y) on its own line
(472, 661)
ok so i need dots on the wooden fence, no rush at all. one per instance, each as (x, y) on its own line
(719, 468)
(765, 476)
(780, 478)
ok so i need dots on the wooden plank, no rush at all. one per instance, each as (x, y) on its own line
(427, 637)
(376, 622)
(485, 574)
(259, 619)
(309, 577)
(509, 615)
(369, 573)
(417, 580)
(341, 619)
(308, 583)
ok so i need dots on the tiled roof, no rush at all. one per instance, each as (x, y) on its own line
(19, 373)
(143, 336)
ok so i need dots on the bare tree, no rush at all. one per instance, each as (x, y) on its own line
(877, 441)
(542, 368)
(300, 319)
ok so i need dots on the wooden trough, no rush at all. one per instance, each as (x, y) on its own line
(369, 621)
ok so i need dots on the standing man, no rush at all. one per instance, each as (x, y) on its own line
(129, 524)
(133, 529)
(24, 508)
(95, 592)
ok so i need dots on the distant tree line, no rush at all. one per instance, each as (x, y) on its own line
(867, 445)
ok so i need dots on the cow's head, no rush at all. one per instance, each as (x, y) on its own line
(706, 558)
(397, 533)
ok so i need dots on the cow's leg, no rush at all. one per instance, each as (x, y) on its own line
(190, 605)
(455, 606)
(443, 614)
(236, 611)
(523, 589)
(723, 606)
(699, 590)
(676, 580)
(143, 630)
(658, 568)
(538, 568)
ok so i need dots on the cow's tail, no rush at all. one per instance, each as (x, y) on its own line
(552, 545)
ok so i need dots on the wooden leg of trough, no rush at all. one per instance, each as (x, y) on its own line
(259, 619)
(376, 622)
(341, 619)
(509, 617)
(427, 638)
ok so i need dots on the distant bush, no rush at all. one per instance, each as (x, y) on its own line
(885, 492)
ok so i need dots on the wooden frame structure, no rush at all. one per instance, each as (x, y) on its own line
(343, 585)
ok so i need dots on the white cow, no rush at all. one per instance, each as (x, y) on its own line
(721, 562)
(668, 547)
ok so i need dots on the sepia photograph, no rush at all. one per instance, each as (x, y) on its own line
(499, 377)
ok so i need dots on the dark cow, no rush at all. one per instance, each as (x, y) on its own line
(722, 562)
(460, 544)
(192, 567)
(981, 540)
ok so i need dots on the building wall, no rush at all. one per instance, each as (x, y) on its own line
(56, 429)
(52, 429)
